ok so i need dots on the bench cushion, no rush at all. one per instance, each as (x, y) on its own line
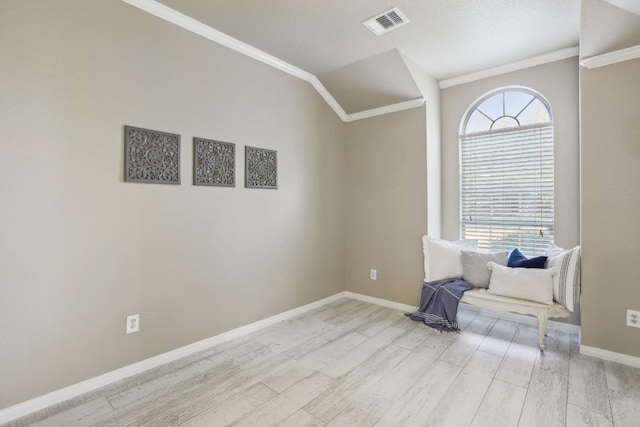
(481, 298)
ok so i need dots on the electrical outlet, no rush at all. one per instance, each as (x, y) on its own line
(633, 318)
(373, 274)
(133, 323)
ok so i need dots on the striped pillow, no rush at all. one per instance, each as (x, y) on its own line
(566, 278)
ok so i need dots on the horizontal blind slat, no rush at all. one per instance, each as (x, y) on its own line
(507, 188)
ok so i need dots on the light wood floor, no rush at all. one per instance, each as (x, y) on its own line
(351, 363)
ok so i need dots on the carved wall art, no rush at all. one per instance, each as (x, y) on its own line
(261, 168)
(151, 156)
(214, 163)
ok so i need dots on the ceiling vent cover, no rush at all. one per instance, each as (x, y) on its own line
(386, 21)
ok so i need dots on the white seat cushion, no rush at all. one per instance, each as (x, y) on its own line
(481, 298)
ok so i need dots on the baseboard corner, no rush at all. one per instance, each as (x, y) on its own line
(380, 301)
(22, 409)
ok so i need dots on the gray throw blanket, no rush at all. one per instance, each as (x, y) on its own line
(439, 304)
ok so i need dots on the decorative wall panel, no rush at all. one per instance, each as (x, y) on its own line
(214, 163)
(151, 156)
(261, 168)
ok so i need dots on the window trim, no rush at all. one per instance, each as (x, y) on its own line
(463, 124)
(493, 92)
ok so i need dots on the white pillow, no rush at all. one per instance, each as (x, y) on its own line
(566, 279)
(553, 251)
(442, 258)
(533, 284)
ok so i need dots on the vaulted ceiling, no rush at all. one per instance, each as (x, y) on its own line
(613, 24)
(632, 6)
(362, 71)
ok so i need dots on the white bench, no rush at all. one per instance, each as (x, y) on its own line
(481, 298)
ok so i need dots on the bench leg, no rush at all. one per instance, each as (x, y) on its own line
(542, 329)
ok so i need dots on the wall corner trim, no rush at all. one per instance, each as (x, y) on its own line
(30, 406)
(610, 356)
(611, 57)
(557, 55)
(173, 16)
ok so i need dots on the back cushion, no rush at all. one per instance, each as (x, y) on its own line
(442, 257)
(474, 266)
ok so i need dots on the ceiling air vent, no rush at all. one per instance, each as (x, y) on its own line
(386, 21)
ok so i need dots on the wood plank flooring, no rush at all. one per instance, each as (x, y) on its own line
(352, 363)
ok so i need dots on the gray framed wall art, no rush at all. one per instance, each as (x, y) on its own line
(151, 156)
(261, 168)
(214, 163)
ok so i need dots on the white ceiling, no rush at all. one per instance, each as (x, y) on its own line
(610, 27)
(632, 6)
(446, 38)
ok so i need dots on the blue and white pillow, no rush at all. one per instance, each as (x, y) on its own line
(566, 277)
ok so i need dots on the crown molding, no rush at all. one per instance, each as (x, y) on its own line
(611, 57)
(558, 55)
(413, 103)
(171, 15)
(324, 93)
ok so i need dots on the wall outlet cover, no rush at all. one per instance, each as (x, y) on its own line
(133, 323)
(633, 318)
(373, 274)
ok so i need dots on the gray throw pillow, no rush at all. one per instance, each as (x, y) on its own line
(474, 266)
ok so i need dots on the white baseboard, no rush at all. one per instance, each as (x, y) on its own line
(522, 318)
(21, 409)
(30, 406)
(611, 356)
(380, 301)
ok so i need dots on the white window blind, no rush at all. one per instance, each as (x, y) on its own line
(506, 182)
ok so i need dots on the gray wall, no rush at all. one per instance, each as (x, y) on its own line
(386, 205)
(610, 158)
(81, 249)
(558, 83)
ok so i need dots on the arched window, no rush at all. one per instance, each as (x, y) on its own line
(506, 171)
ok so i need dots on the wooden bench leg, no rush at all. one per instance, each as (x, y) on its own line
(542, 329)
